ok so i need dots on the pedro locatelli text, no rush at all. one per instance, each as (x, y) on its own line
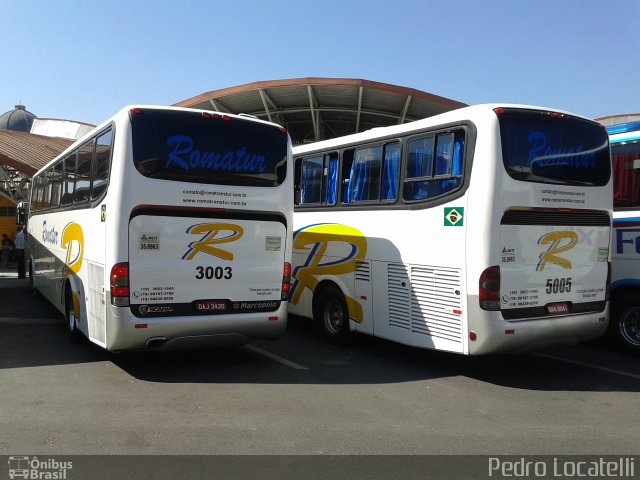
(609, 467)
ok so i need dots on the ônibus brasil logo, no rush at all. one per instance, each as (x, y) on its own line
(35, 468)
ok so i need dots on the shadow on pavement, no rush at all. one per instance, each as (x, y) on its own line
(33, 333)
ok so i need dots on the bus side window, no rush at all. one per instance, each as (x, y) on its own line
(458, 156)
(311, 180)
(331, 178)
(364, 178)
(419, 168)
(297, 180)
(68, 179)
(318, 180)
(83, 177)
(390, 172)
(36, 194)
(46, 192)
(56, 184)
(101, 165)
(445, 154)
(346, 187)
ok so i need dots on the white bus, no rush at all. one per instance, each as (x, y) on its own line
(625, 256)
(484, 229)
(166, 228)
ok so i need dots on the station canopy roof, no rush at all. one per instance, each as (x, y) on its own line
(21, 155)
(311, 109)
(314, 109)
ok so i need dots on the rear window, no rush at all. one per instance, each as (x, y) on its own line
(547, 147)
(187, 147)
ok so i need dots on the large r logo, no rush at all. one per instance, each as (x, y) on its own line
(213, 234)
(333, 249)
(558, 242)
(73, 242)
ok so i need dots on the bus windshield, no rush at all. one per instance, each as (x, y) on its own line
(208, 148)
(553, 148)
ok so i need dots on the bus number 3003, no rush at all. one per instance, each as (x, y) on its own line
(209, 273)
(558, 285)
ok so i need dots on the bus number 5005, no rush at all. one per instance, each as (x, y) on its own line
(558, 285)
(210, 273)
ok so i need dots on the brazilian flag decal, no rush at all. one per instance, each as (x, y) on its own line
(453, 217)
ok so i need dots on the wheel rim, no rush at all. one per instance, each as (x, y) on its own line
(333, 316)
(630, 326)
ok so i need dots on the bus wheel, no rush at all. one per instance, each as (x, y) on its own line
(33, 289)
(75, 335)
(332, 314)
(626, 315)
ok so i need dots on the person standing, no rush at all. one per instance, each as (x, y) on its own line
(7, 247)
(19, 245)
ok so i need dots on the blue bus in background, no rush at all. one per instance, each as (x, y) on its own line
(625, 256)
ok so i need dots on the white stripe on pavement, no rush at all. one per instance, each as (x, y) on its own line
(589, 365)
(275, 357)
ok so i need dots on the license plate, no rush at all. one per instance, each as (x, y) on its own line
(557, 308)
(211, 305)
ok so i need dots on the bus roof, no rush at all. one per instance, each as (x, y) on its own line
(623, 127)
(442, 118)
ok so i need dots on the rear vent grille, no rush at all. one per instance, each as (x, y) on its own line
(399, 296)
(433, 301)
(363, 271)
(573, 218)
(426, 300)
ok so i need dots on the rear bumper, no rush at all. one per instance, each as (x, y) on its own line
(496, 335)
(128, 332)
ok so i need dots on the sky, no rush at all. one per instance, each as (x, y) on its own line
(83, 60)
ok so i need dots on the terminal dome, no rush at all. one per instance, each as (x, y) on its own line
(18, 120)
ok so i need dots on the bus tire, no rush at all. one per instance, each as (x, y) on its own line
(332, 314)
(34, 291)
(625, 321)
(75, 335)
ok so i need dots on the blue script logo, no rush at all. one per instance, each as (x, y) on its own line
(185, 156)
(544, 155)
(49, 236)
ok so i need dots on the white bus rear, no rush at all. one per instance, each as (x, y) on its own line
(167, 228)
(481, 230)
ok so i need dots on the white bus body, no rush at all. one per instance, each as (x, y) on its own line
(485, 229)
(167, 228)
(625, 255)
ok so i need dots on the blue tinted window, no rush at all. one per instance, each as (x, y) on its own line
(435, 165)
(558, 149)
(390, 172)
(444, 154)
(419, 157)
(311, 185)
(364, 180)
(331, 191)
(187, 147)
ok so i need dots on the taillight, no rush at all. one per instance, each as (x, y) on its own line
(608, 287)
(215, 116)
(489, 293)
(286, 281)
(119, 281)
